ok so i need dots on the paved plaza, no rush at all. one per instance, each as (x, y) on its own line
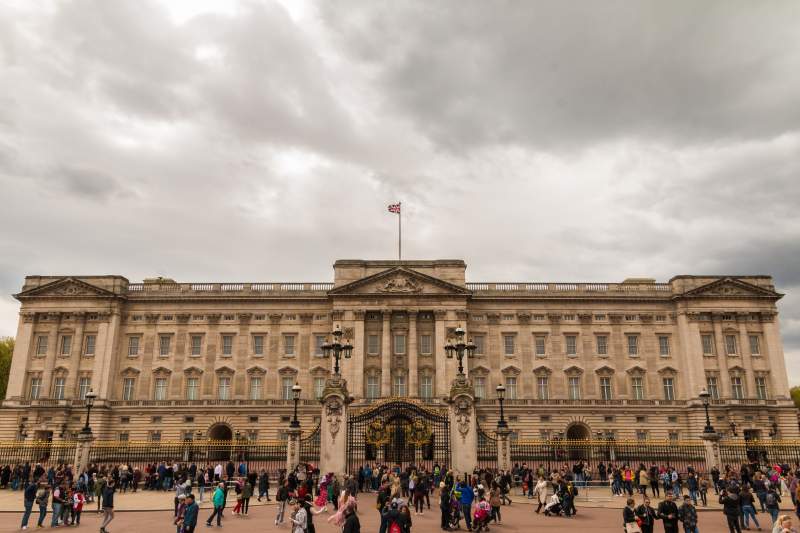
(596, 515)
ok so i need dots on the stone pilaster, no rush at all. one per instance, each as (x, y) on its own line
(82, 447)
(413, 355)
(503, 449)
(711, 442)
(292, 448)
(333, 426)
(463, 426)
(386, 355)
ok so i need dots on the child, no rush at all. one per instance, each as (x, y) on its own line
(78, 499)
(482, 515)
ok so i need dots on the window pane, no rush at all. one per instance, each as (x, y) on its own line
(197, 344)
(227, 344)
(399, 344)
(426, 386)
(574, 388)
(755, 345)
(637, 387)
(255, 388)
(41, 345)
(373, 345)
(633, 345)
(161, 389)
(711, 387)
(511, 388)
(83, 387)
(163, 346)
(708, 344)
(66, 344)
(319, 387)
(480, 387)
(605, 388)
(127, 389)
(288, 344)
(543, 387)
(286, 388)
(663, 345)
(508, 344)
(425, 344)
(373, 386)
(58, 389)
(400, 385)
(133, 345)
(761, 388)
(602, 345)
(258, 344)
(90, 344)
(319, 340)
(480, 344)
(730, 344)
(36, 387)
(669, 390)
(540, 344)
(572, 348)
(737, 390)
(191, 388)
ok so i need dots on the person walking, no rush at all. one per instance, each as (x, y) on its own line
(247, 493)
(668, 513)
(540, 493)
(108, 504)
(351, 522)
(444, 506)
(58, 500)
(647, 516)
(731, 508)
(467, 496)
(29, 498)
(629, 516)
(78, 500)
(495, 502)
(300, 518)
(218, 500)
(190, 514)
(688, 515)
(282, 497)
(748, 508)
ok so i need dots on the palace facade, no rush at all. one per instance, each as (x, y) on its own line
(172, 361)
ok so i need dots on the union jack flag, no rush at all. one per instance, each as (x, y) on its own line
(394, 208)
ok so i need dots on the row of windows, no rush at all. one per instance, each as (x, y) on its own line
(601, 344)
(65, 345)
(708, 343)
(59, 387)
(738, 390)
(192, 388)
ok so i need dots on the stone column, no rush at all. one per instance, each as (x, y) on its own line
(745, 356)
(503, 449)
(50, 360)
(413, 378)
(722, 356)
(463, 426)
(333, 426)
(71, 390)
(774, 354)
(23, 350)
(292, 448)
(359, 353)
(439, 340)
(82, 448)
(711, 442)
(386, 355)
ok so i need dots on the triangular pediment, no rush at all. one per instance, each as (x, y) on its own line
(399, 281)
(66, 288)
(731, 288)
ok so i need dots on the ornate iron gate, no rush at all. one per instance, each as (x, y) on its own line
(487, 449)
(398, 432)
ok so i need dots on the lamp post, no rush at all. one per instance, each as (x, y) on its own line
(774, 430)
(733, 429)
(337, 349)
(89, 398)
(457, 347)
(704, 396)
(501, 396)
(295, 423)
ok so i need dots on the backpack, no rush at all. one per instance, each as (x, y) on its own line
(771, 500)
(395, 527)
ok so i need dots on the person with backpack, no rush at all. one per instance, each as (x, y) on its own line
(731, 508)
(29, 499)
(773, 503)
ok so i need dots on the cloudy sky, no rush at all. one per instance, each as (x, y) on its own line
(557, 141)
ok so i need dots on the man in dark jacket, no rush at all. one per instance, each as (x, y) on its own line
(647, 515)
(731, 507)
(688, 515)
(190, 514)
(351, 522)
(444, 505)
(668, 513)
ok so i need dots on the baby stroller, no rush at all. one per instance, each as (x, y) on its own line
(482, 516)
(553, 507)
(455, 514)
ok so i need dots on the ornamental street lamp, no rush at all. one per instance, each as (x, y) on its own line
(704, 395)
(501, 396)
(733, 428)
(90, 396)
(337, 349)
(296, 397)
(457, 347)
(774, 430)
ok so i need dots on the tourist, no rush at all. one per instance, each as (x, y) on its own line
(540, 493)
(282, 497)
(299, 518)
(178, 521)
(28, 500)
(647, 516)
(108, 504)
(629, 515)
(495, 502)
(190, 513)
(351, 522)
(444, 506)
(263, 485)
(58, 500)
(247, 493)
(99, 485)
(644, 480)
(404, 518)
(78, 499)
(467, 496)
(668, 513)
(731, 507)
(784, 525)
(218, 501)
(688, 515)
(773, 502)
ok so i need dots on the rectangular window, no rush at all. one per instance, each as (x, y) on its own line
(737, 389)
(58, 388)
(124, 437)
(373, 387)
(602, 344)
(41, 345)
(36, 388)
(480, 344)
(399, 344)
(543, 387)
(574, 385)
(258, 344)
(708, 343)
(508, 344)
(637, 387)
(319, 340)
(669, 388)
(164, 342)
(605, 388)
(399, 386)
(288, 345)
(286, 388)
(633, 345)
(755, 345)
(255, 388)
(66, 344)
(712, 388)
(572, 344)
(373, 345)
(673, 436)
(197, 344)
(641, 434)
(730, 344)
(480, 387)
(160, 389)
(426, 344)
(426, 386)
(511, 387)
(663, 345)
(89, 344)
(540, 347)
(192, 388)
(761, 387)
(133, 345)
(224, 388)
(84, 385)
(127, 388)
(319, 387)
(227, 345)
(155, 436)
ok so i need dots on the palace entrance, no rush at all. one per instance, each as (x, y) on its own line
(398, 432)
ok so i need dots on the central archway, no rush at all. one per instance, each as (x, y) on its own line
(221, 435)
(220, 432)
(577, 432)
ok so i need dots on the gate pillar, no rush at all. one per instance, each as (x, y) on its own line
(292, 448)
(503, 449)
(463, 427)
(333, 426)
(711, 442)
(82, 447)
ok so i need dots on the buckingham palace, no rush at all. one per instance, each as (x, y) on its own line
(169, 359)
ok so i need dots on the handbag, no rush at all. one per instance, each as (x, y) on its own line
(632, 527)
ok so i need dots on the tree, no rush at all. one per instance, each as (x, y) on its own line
(6, 351)
(795, 392)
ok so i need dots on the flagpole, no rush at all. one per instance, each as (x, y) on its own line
(399, 232)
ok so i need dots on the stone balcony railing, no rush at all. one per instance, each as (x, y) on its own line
(572, 289)
(227, 289)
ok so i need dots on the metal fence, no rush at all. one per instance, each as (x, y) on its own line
(554, 454)
(487, 449)
(44, 452)
(309, 447)
(760, 452)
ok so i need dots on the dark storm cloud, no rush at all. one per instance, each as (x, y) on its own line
(256, 140)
